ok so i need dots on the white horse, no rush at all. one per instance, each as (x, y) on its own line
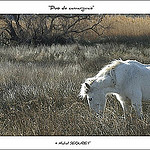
(128, 80)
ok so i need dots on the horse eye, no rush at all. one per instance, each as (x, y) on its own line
(90, 99)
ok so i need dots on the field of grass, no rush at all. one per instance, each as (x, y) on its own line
(39, 89)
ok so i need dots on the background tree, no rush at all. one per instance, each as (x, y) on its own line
(48, 29)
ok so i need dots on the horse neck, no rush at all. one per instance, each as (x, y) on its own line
(105, 84)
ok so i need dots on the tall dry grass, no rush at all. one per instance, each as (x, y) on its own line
(120, 26)
(39, 90)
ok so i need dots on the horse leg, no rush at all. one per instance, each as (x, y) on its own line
(126, 109)
(136, 102)
(138, 108)
(102, 108)
(124, 105)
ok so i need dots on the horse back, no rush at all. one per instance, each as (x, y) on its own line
(134, 75)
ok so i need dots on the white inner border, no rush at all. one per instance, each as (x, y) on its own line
(100, 7)
(97, 142)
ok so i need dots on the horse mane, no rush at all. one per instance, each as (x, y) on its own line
(105, 70)
(83, 91)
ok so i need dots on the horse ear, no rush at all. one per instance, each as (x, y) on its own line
(85, 99)
(87, 85)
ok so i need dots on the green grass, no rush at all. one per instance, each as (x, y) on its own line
(39, 90)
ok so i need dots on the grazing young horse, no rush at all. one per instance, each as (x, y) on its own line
(128, 80)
